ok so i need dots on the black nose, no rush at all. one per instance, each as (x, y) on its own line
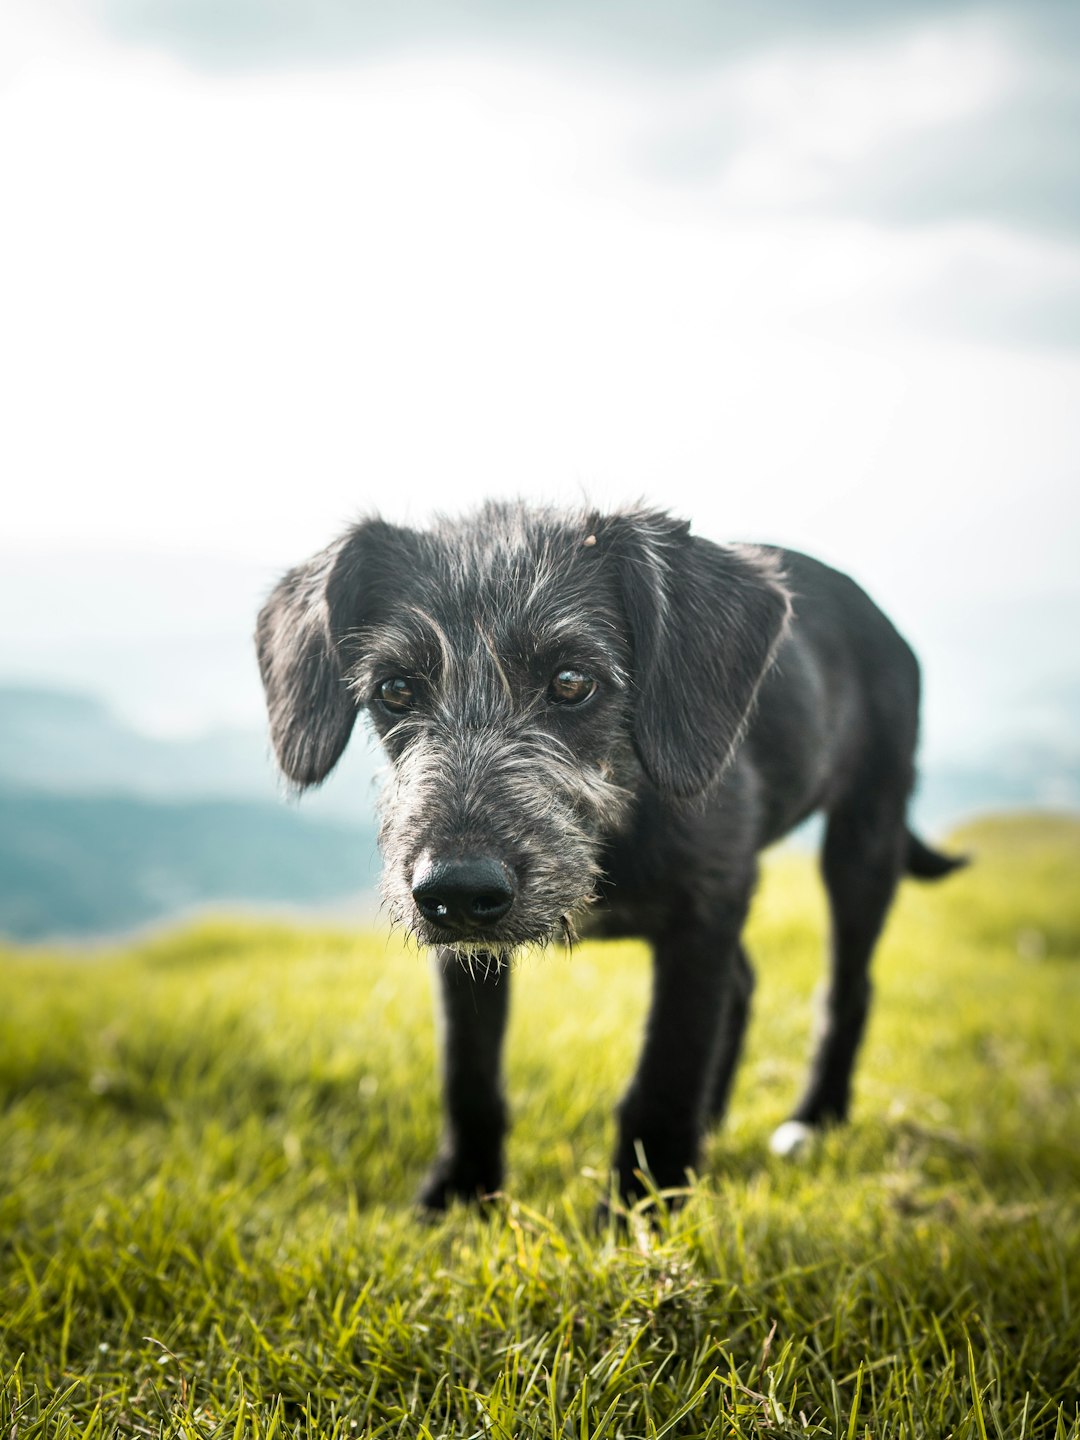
(462, 895)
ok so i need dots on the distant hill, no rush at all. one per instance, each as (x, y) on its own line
(84, 865)
(1039, 775)
(103, 828)
(70, 743)
(62, 741)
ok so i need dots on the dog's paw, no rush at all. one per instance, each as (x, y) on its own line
(792, 1138)
(450, 1179)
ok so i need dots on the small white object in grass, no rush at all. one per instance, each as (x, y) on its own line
(790, 1138)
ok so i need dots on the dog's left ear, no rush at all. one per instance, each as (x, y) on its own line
(302, 634)
(705, 622)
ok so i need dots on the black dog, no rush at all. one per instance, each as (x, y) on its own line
(595, 723)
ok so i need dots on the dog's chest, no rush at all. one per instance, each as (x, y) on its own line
(619, 917)
(637, 885)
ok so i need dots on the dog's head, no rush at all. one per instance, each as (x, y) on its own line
(527, 672)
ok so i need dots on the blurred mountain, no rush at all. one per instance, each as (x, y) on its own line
(1032, 776)
(1024, 754)
(69, 742)
(85, 865)
(103, 828)
(63, 741)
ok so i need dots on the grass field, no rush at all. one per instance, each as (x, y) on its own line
(208, 1144)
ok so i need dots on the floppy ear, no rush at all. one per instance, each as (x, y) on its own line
(705, 621)
(299, 636)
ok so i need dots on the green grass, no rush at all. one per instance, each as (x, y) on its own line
(208, 1144)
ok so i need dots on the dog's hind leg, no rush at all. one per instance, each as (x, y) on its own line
(861, 862)
(476, 1003)
(732, 1030)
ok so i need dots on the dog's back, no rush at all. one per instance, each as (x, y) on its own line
(838, 712)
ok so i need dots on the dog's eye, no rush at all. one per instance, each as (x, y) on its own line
(570, 687)
(396, 694)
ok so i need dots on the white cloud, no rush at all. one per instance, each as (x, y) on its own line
(236, 312)
(783, 128)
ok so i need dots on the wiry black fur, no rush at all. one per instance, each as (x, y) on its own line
(739, 689)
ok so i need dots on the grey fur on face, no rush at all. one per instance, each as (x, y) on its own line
(483, 764)
(508, 789)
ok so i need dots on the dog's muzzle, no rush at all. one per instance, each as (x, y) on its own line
(465, 897)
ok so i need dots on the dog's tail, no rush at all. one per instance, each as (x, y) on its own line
(927, 864)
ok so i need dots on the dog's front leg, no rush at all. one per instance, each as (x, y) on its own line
(663, 1114)
(476, 1003)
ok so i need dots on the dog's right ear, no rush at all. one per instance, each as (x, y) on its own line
(705, 621)
(299, 638)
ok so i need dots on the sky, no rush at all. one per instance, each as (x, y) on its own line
(806, 274)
